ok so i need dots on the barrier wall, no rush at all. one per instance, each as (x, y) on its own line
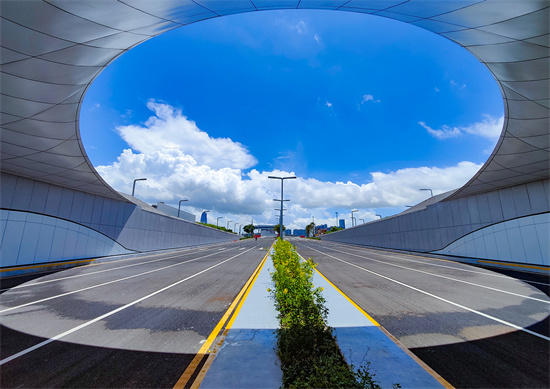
(511, 224)
(42, 223)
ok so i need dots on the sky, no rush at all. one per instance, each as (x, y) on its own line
(364, 110)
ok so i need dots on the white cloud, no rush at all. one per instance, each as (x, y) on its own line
(173, 173)
(436, 89)
(444, 133)
(170, 129)
(328, 104)
(489, 127)
(367, 98)
(317, 38)
(301, 27)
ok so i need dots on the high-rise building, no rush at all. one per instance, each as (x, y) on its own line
(204, 218)
(342, 223)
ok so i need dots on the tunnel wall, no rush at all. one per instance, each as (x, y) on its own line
(511, 224)
(41, 223)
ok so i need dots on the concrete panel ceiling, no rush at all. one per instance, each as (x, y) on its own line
(51, 52)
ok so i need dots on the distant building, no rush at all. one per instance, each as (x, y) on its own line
(320, 228)
(288, 232)
(298, 232)
(265, 230)
(174, 212)
(342, 223)
(204, 218)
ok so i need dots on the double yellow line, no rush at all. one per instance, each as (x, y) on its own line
(206, 349)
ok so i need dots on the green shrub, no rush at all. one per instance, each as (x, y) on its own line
(306, 346)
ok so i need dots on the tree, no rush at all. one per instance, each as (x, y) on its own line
(334, 229)
(249, 229)
(310, 229)
(276, 228)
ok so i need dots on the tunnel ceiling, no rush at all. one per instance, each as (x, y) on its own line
(51, 51)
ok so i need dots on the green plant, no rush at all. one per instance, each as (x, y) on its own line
(306, 346)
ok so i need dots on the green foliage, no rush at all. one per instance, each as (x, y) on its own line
(217, 227)
(307, 349)
(310, 229)
(276, 228)
(249, 229)
(333, 229)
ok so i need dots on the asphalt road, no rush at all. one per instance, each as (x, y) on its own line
(477, 328)
(135, 322)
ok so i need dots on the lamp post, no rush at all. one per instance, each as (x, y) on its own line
(380, 216)
(337, 225)
(235, 227)
(206, 217)
(431, 192)
(229, 221)
(179, 206)
(134, 186)
(363, 221)
(281, 216)
(352, 218)
(218, 220)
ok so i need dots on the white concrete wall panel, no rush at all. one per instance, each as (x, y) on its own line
(43, 223)
(511, 224)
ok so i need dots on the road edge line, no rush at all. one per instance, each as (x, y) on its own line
(204, 350)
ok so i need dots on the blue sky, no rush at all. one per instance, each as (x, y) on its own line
(364, 110)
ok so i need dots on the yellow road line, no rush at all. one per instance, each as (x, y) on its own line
(47, 265)
(204, 350)
(515, 265)
(219, 344)
(430, 371)
(350, 300)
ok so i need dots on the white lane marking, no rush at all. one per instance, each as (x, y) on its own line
(105, 283)
(26, 285)
(68, 332)
(442, 276)
(439, 298)
(386, 253)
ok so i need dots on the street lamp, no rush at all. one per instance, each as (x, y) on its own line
(363, 221)
(206, 221)
(281, 217)
(134, 186)
(218, 220)
(431, 192)
(380, 216)
(229, 221)
(235, 227)
(352, 218)
(179, 206)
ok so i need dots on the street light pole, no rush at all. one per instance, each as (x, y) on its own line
(380, 216)
(431, 192)
(179, 206)
(281, 216)
(134, 186)
(229, 221)
(363, 221)
(352, 218)
(218, 220)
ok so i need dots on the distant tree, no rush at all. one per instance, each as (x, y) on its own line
(334, 229)
(276, 228)
(310, 229)
(249, 229)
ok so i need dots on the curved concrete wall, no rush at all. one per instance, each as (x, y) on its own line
(51, 51)
(42, 223)
(510, 224)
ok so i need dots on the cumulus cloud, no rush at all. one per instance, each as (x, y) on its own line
(169, 129)
(175, 171)
(489, 127)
